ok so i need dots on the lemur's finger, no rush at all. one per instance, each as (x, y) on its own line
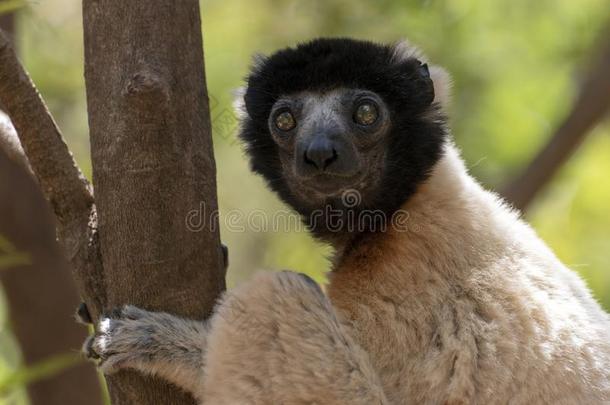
(225, 255)
(82, 314)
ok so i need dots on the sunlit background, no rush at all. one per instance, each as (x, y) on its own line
(516, 66)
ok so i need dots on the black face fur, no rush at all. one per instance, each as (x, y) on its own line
(408, 148)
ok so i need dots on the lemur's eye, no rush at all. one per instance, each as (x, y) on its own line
(285, 121)
(366, 113)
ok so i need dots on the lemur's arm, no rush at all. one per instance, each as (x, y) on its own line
(151, 342)
(275, 339)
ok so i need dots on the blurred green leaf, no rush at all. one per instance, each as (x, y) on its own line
(10, 256)
(46, 368)
(7, 6)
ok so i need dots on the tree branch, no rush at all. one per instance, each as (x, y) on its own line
(591, 106)
(61, 181)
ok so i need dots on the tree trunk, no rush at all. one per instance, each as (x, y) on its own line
(39, 291)
(153, 165)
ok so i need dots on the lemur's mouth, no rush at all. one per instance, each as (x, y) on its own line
(328, 185)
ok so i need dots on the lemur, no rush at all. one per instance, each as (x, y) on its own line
(459, 302)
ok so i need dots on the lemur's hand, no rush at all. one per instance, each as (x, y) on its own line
(120, 336)
(155, 343)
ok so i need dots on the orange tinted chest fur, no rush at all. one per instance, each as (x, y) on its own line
(390, 308)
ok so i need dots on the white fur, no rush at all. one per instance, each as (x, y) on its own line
(404, 50)
(239, 104)
(474, 306)
(441, 80)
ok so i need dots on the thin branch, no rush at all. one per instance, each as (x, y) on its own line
(60, 179)
(590, 108)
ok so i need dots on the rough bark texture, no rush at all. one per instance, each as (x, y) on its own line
(152, 165)
(590, 108)
(40, 294)
(60, 179)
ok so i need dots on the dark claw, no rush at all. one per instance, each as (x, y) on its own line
(82, 314)
(225, 255)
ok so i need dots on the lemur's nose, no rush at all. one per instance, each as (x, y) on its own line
(321, 153)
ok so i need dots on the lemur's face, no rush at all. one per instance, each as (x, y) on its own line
(330, 142)
(338, 115)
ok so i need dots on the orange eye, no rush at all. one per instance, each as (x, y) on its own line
(366, 113)
(285, 121)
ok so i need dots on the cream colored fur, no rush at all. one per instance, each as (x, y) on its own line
(464, 306)
(470, 306)
(277, 340)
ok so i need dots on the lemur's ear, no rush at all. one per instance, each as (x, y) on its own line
(441, 80)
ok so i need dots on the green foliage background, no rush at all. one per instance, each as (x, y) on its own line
(516, 66)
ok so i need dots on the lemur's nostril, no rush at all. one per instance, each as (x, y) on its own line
(320, 153)
(308, 160)
(330, 160)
